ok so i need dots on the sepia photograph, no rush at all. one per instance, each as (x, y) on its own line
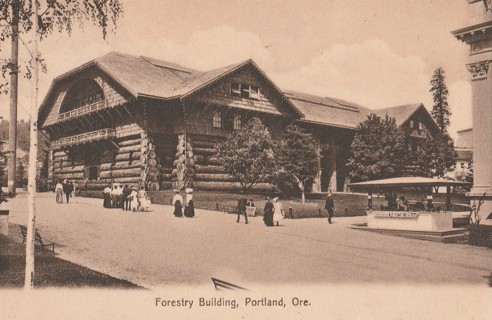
(225, 159)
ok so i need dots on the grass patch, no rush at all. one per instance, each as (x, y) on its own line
(49, 270)
(346, 204)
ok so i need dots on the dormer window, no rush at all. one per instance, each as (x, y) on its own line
(245, 91)
(254, 93)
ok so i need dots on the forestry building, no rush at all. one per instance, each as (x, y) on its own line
(140, 121)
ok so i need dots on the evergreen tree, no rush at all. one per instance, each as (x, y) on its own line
(377, 151)
(443, 156)
(297, 158)
(440, 109)
(247, 154)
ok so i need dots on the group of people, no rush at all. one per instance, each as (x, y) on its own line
(125, 197)
(66, 187)
(178, 202)
(273, 212)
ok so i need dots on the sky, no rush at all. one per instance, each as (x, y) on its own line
(376, 53)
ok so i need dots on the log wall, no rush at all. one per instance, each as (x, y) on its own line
(121, 165)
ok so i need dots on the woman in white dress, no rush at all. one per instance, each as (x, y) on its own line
(133, 197)
(277, 211)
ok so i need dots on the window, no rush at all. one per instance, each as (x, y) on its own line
(217, 119)
(91, 173)
(254, 93)
(412, 125)
(235, 89)
(245, 91)
(421, 126)
(237, 122)
(462, 165)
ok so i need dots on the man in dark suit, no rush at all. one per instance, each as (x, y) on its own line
(329, 206)
(241, 208)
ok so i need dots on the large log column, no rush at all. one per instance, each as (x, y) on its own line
(479, 38)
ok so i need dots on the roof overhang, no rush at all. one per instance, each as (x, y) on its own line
(237, 68)
(409, 182)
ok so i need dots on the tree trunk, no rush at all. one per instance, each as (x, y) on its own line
(14, 57)
(33, 152)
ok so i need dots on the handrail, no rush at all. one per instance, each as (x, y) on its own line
(101, 104)
(84, 137)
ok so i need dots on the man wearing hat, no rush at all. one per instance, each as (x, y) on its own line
(329, 206)
(241, 208)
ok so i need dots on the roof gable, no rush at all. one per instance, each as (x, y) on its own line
(328, 111)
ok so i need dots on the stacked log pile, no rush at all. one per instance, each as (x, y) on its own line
(152, 168)
(183, 173)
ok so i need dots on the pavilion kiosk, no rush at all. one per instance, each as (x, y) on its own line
(415, 217)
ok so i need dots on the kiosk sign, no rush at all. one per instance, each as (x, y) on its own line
(397, 214)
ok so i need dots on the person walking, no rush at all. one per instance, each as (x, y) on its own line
(177, 202)
(59, 192)
(125, 201)
(189, 210)
(241, 208)
(68, 189)
(329, 206)
(268, 213)
(277, 211)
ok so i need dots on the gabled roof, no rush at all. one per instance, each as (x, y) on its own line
(328, 111)
(400, 113)
(148, 77)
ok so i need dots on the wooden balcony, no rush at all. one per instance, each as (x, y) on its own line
(87, 137)
(87, 109)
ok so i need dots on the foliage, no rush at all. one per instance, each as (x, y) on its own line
(433, 157)
(466, 176)
(476, 205)
(247, 154)
(20, 173)
(440, 109)
(55, 15)
(378, 149)
(443, 156)
(296, 157)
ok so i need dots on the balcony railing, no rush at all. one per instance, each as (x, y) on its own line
(88, 109)
(102, 134)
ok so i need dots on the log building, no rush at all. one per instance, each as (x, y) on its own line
(141, 121)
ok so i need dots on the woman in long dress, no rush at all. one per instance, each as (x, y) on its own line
(189, 210)
(143, 202)
(178, 204)
(268, 213)
(277, 211)
(107, 197)
(133, 198)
